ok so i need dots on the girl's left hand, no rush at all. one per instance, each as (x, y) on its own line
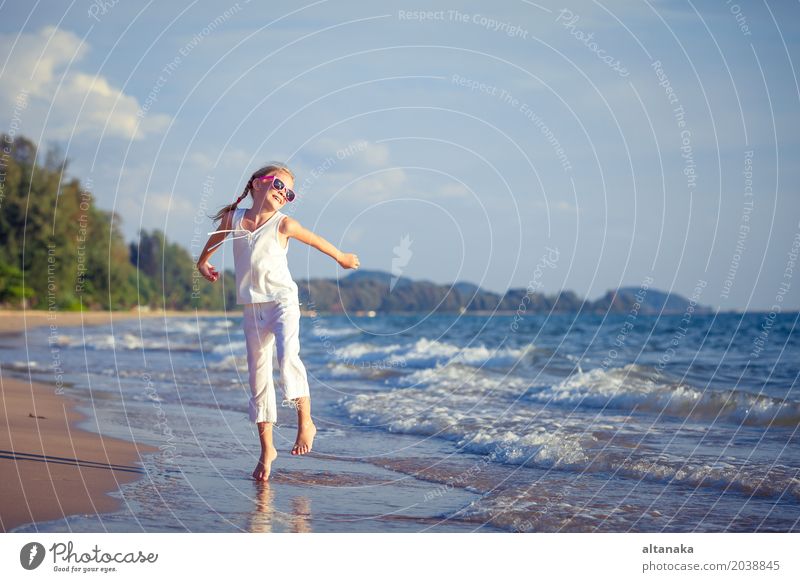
(208, 271)
(349, 261)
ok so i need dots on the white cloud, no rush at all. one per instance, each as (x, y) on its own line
(164, 203)
(160, 208)
(33, 58)
(376, 155)
(71, 101)
(354, 235)
(237, 159)
(557, 206)
(454, 189)
(354, 154)
(370, 189)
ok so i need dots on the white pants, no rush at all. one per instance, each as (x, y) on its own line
(266, 326)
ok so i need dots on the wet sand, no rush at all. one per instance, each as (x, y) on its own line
(52, 469)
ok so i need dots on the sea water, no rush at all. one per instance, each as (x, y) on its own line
(448, 422)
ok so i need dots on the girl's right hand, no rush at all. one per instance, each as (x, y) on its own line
(208, 271)
(349, 261)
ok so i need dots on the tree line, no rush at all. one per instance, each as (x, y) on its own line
(58, 250)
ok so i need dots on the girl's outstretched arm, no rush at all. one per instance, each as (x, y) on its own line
(207, 269)
(293, 229)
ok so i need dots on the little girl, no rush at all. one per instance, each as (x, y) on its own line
(271, 302)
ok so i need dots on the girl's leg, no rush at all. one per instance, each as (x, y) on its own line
(268, 452)
(262, 408)
(305, 426)
(260, 342)
(294, 379)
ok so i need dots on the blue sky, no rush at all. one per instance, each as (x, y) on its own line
(444, 143)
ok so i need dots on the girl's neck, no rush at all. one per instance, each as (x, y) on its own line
(262, 210)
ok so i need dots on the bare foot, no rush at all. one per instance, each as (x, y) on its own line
(305, 436)
(264, 466)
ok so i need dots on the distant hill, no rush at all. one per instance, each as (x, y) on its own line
(654, 301)
(370, 290)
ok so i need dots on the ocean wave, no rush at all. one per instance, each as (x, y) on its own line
(125, 341)
(427, 353)
(199, 327)
(460, 377)
(322, 331)
(545, 439)
(635, 388)
(234, 347)
(340, 370)
(186, 327)
(29, 366)
(230, 362)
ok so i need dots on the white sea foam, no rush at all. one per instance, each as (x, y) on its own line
(230, 362)
(341, 370)
(546, 438)
(199, 327)
(427, 353)
(234, 347)
(188, 327)
(22, 366)
(123, 341)
(637, 388)
(322, 331)
(456, 376)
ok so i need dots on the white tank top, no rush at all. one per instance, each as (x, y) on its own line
(262, 270)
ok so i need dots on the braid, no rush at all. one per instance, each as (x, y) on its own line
(264, 171)
(225, 209)
(244, 193)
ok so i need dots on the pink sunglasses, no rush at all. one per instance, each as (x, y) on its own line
(278, 184)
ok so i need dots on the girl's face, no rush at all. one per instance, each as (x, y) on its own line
(273, 197)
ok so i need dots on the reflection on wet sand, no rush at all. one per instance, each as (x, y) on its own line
(261, 518)
(301, 515)
(265, 517)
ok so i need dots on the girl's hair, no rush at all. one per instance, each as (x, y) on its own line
(267, 170)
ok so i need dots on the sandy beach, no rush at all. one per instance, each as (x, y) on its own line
(51, 468)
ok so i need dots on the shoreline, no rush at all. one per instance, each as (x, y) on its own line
(38, 317)
(16, 321)
(52, 469)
